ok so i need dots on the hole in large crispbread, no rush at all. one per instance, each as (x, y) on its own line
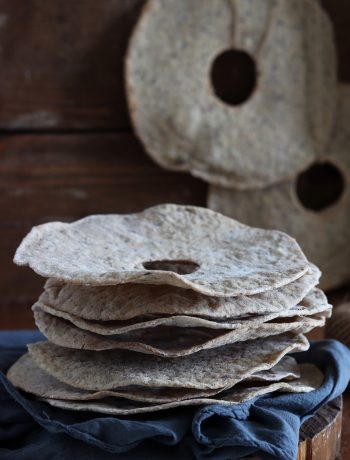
(182, 267)
(233, 76)
(320, 186)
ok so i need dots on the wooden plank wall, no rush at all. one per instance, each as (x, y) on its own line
(66, 145)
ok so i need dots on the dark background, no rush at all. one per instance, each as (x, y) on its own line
(66, 145)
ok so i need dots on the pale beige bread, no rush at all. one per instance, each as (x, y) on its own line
(127, 301)
(314, 302)
(284, 125)
(170, 342)
(180, 338)
(208, 369)
(311, 379)
(323, 235)
(178, 245)
(27, 376)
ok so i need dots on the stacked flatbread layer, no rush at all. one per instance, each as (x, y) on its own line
(170, 307)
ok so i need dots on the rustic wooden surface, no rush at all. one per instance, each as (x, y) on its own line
(320, 436)
(345, 440)
(62, 63)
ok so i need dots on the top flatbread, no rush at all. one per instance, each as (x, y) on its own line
(277, 132)
(128, 301)
(215, 255)
(208, 369)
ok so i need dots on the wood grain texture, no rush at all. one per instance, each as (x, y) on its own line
(62, 63)
(320, 436)
(345, 443)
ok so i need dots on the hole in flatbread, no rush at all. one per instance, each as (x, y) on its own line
(320, 186)
(182, 267)
(233, 76)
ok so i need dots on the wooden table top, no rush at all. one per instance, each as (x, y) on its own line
(345, 443)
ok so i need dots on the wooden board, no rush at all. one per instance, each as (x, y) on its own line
(320, 436)
(345, 442)
(62, 61)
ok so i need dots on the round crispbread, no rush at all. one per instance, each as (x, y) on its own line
(184, 246)
(184, 126)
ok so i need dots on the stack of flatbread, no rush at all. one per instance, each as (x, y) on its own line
(173, 306)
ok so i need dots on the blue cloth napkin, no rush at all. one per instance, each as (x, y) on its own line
(266, 426)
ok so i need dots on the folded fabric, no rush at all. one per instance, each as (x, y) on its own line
(267, 427)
